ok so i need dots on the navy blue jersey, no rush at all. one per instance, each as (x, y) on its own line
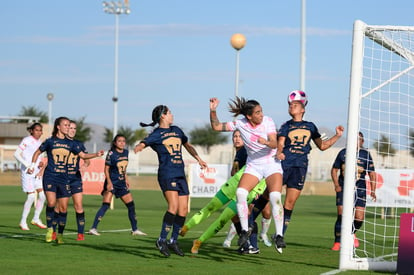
(167, 143)
(58, 151)
(73, 161)
(297, 145)
(241, 157)
(365, 164)
(117, 163)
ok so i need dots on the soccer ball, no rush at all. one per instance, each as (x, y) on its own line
(298, 96)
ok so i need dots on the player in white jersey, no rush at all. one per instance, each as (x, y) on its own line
(260, 139)
(31, 183)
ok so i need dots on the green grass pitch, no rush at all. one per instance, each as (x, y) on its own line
(309, 238)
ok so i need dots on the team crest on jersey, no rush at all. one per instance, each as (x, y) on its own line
(173, 184)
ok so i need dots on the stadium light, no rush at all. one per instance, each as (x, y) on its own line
(237, 41)
(116, 8)
(49, 97)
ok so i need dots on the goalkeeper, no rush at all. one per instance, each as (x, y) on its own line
(229, 212)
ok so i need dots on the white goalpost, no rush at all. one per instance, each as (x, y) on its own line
(381, 106)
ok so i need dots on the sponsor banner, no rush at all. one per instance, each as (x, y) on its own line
(93, 177)
(206, 183)
(395, 188)
(406, 244)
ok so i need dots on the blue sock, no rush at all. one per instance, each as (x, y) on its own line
(178, 223)
(337, 229)
(99, 215)
(80, 220)
(131, 215)
(49, 216)
(286, 219)
(167, 224)
(253, 236)
(62, 222)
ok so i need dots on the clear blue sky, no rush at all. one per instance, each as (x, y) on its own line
(177, 53)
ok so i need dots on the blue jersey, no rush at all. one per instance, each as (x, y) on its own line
(297, 146)
(73, 161)
(167, 143)
(241, 157)
(117, 163)
(365, 164)
(58, 151)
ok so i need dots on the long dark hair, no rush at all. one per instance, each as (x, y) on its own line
(241, 106)
(113, 144)
(33, 126)
(157, 112)
(57, 123)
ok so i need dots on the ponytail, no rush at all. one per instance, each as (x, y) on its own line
(157, 112)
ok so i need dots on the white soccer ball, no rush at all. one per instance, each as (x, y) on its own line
(298, 96)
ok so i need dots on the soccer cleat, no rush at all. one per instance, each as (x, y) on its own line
(59, 239)
(49, 235)
(226, 243)
(81, 237)
(183, 230)
(38, 224)
(196, 246)
(93, 231)
(265, 239)
(356, 242)
(24, 227)
(248, 249)
(177, 250)
(162, 247)
(336, 246)
(253, 250)
(244, 237)
(138, 233)
(279, 243)
(54, 236)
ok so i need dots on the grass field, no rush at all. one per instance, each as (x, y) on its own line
(308, 239)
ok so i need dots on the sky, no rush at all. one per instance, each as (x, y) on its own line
(178, 53)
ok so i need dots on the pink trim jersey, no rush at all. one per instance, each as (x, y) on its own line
(256, 152)
(29, 145)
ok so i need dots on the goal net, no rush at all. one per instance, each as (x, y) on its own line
(381, 106)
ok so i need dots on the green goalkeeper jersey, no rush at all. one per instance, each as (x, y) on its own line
(230, 186)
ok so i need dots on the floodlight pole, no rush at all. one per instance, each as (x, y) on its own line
(116, 8)
(303, 46)
(237, 41)
(49, 97)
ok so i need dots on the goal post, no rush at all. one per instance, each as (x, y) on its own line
(381, 106)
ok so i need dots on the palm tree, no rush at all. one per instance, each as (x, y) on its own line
(83, 133)
(384, 147)
(131, 136)
(34, 111)
(206, 137)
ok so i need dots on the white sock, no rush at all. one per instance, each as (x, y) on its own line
(265, 225)
(39, 206)
(277, 211)
(242, 209)
(232, 233)
(27, 206)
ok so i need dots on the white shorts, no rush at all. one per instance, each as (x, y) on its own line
(264, 169)
(30, 183)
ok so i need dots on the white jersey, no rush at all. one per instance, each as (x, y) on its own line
(29, 145)
(256, 152)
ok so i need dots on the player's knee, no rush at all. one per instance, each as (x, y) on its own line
(275, 197)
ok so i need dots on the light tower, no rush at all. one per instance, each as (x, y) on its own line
(116, 8)
(237, 41)
(50, 97)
